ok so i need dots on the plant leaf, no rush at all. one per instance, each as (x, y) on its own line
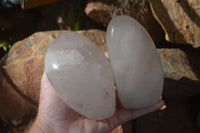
(5, 48)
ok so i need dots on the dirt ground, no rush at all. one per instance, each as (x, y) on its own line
(182, 108)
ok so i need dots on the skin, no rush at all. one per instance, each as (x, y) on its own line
(54, 116)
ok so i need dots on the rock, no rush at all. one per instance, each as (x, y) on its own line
(21, 71)
(182, 74)
(118, 130)
(81, 75)
(135, 62)
(104, 12)
(126, 128)
(179, 19)
(99, 12)
(176, 64)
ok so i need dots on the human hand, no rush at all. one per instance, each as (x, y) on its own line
(54, 116)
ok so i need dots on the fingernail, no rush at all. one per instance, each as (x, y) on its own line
(163, 107)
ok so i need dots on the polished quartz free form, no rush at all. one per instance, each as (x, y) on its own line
(136, 65)
(81, 75)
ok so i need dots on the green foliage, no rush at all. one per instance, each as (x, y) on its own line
(79, 15)
(5, 44)
(77, 26)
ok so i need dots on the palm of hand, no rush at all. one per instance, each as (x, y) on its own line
(61, 119)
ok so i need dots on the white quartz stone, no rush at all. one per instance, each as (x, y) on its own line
(135, 62)
(81, 75)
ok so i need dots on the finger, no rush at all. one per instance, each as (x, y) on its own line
(106, 54)
(125, 115)
(44, 84)
(44, 81)
(140, 112)
(47, 90)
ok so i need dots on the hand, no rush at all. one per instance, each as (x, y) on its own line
(54, 116)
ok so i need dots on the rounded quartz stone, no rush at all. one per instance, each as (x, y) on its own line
(81, 75)
(136, 64)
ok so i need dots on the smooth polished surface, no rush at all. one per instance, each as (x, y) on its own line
(136, 65)
(81, 75)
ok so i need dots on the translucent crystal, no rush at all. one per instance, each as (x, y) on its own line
(135, 62)
(81, 75)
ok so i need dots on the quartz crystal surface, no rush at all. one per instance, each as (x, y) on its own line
(81, 75)
(135, 63)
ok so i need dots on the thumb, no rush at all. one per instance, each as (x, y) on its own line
(125, 115)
